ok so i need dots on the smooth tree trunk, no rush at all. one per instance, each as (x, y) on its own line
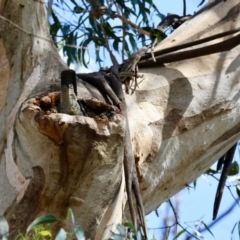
(183, 117)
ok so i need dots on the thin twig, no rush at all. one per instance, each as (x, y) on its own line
(173, 209)
(124, 26)
(125, 20)
(236, 200)
(229, 210)
(159, 228)
(177, 222)
(114, 60)
(84, 3)
(63, 36)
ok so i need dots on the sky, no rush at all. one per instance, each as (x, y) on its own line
(194, 205)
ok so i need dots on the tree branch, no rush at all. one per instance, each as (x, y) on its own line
(126, 21)
(162, 56)
(178, 223)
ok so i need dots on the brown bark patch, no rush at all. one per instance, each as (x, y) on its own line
(49, 102)
(4, 75)
(94, 108)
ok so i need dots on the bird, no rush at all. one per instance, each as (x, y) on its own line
(69, 102)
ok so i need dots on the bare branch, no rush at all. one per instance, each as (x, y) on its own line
(178, 223)
(125, 20)
(162, 56)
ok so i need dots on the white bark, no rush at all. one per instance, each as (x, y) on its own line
(183, 117)
(197, 101)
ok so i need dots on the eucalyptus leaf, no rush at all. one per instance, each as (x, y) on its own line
(42, 220)
(79, 233)
(238, 190)
(131, 226)
(78, 9)
(208, 229)
(86, 24)
(180, 233)
(62, 235)
(234, 226)
(70, 216)
(121, 230)
(45, 233)
(117, 237)
(234, 169)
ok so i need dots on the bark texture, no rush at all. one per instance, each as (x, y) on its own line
(183, 117)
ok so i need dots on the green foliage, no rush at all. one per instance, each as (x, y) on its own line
(180, 233)
(238, 190)
(207, 228)
(125, 231)
(211, 171)
(70, 217)
(234, 170)
(61, 235)
(131, 228)
(159, 35)
(195, 184)
(39, 229)
(95, 22)
(122, 233)
(39, 232)
(40, 221)
(79, 233)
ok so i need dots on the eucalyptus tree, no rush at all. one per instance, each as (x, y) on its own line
(183, 114)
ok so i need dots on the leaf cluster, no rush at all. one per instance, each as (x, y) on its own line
(79, 28)
(39, 229)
